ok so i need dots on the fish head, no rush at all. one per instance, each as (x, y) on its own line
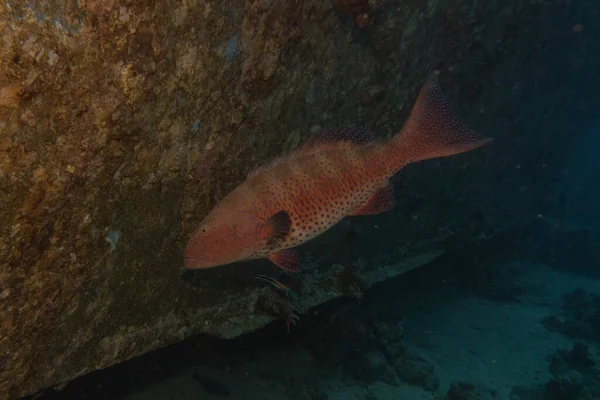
(221, 238)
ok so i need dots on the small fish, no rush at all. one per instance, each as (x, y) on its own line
(335, 174)
(275, 282)
(289, 292)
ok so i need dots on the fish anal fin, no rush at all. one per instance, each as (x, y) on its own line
(381, 201)
(276, 229)
(335, 135)
(287, 260)
(433, 130)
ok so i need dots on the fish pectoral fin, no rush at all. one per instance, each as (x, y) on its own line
(277, 228)
(287, 260)
(381, 201)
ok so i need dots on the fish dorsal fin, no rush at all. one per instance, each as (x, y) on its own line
(335, 135)
(264, 167)
(276, 229)
(381, 201)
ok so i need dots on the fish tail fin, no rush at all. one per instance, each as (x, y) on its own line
(432, 130)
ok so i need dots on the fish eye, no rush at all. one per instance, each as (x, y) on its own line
(204, 230)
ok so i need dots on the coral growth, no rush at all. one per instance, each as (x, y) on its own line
(580, 318)
(574, 377)
(416, 370)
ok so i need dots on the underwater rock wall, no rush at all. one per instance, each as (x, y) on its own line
(123, 122)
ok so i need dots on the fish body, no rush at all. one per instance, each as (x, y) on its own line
(335, 174)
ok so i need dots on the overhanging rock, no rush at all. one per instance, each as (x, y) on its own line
(122, 122)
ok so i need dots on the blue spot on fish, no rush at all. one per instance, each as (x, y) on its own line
(113, 238)
(195, 125)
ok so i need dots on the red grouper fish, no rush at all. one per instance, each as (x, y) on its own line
(336, 173)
